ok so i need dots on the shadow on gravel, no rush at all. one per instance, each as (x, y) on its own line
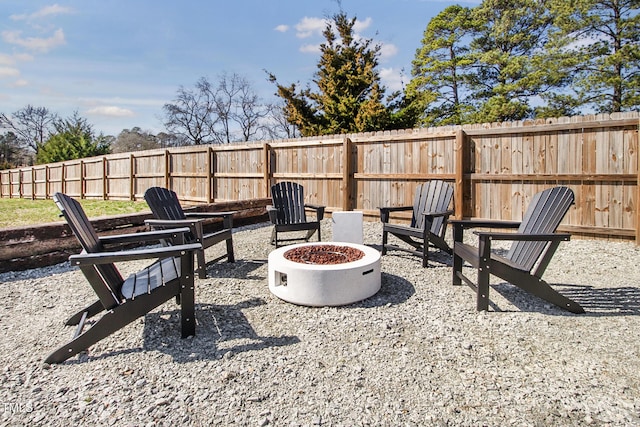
(437, 258)
(394, 290)
(241, 269)
(221, 331)
(622, 301)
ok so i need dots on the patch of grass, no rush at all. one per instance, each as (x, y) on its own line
(21, 212)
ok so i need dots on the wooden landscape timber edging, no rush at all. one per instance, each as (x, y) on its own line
(22, 248)
(495, 169)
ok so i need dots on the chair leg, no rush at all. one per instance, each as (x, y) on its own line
(202, 265)
(319, 239)
(457, 260)
(483, 289)
(425, 246)
(484, 251)
(540, 288)
(385, 238)
(113, 320)
(187, 310)
(425, 254)
(91, 311)
(230, 255)
(187, 298)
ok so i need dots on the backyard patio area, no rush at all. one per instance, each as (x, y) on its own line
(416, 353)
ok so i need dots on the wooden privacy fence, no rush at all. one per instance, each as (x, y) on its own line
(495, 168)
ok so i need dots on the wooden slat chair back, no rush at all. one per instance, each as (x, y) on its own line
(288, 199)
(164, 203)
(543, 216)
(288, 212)
(107, 280)
(168, 211)
(432, 196)
(123, 300)
(430, 212)
(533, 245)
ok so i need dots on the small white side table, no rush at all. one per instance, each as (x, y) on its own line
(347, 226)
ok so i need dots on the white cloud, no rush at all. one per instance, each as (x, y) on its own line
(35, 43)
(9, 72)
(310, 48)
(7, 59)
(362, 25)
(391, 78)
(14, 59)
(388, 50)
(54, 9)
(143, 102)
(282, 28)
(23, 57)
(307, 27)
(111, 111)
(20, 83)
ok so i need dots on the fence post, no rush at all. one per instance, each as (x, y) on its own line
(33, 183)
(167, 165)
(638, 196)
(266, 161)
(82, 179)
(459, 186)
(347, 174)
(63, 190)
(210, 175)
(105, 192)
(132, 175)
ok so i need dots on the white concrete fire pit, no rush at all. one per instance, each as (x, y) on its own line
(324, 274)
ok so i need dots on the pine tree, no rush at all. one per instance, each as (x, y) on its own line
(598, 42)
(510, 38)
(349, 93)
(440, 67)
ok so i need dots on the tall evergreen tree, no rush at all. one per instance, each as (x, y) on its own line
(349, 96)
(437, 87)
(599, 44)
(511, 35)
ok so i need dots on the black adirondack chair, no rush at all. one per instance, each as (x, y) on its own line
(288, 212)
(124, 300)
(534, 244)
(166, 208)
(430, 214)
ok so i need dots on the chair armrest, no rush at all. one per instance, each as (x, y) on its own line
(319, 210)
(144, 236)
(396, 208)
(386, 210)
(208, 215)
(459, 225)
(434, 214)
(173, 223)
(550, 237)
(133, 255)
(484, 223)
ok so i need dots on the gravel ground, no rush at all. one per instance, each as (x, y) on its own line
(417, 353)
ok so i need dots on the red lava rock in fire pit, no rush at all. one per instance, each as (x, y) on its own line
(323, 254)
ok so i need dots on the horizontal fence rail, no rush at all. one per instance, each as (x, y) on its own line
(495, 168)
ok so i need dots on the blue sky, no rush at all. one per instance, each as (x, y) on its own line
(117, 62)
